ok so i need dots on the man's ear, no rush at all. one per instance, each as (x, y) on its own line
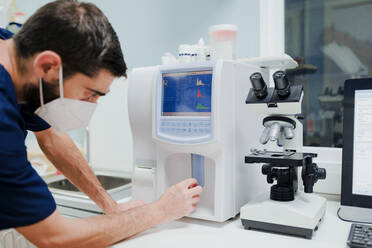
(46, 65)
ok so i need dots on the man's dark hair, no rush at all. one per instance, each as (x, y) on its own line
(79, 32)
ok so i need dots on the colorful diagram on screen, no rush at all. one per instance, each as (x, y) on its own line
(187, 93)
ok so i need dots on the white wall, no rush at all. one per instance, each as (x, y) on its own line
(110, 135)
(147, 29)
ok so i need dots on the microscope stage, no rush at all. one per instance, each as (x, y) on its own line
(299, 217)
(278, 158)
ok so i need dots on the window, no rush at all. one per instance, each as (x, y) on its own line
(332, 41)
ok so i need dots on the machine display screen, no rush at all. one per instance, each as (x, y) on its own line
(187, 93)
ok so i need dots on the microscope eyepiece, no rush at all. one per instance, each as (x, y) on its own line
(259, 85)
(281, 84)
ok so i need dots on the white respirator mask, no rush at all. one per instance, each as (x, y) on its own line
(65, 114)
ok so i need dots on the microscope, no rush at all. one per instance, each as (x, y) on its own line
(285, 209)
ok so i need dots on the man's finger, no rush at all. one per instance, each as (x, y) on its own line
(195, 200)
(194, 207)
(189, 182)
(196, 190)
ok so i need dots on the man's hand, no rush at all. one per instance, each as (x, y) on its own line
(180, 199)
(122, 207)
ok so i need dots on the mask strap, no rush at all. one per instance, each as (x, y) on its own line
(41, 92)
(61, 82)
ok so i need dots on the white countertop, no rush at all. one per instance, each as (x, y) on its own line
(191, 233)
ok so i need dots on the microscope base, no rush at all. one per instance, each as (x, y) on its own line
(300, 217)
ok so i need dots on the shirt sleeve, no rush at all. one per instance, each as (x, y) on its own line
(32, 121)
(5, 34)
(24, 197)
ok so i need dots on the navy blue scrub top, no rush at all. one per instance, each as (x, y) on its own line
(24, 196)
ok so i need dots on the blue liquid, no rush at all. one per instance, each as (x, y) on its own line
(197, 168)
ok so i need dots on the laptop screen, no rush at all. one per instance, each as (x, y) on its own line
(362, 159)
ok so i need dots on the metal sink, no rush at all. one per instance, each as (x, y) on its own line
(108, 183)
(115, 183)
(72, 202)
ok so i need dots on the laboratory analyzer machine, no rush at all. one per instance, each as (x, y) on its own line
(190, 120)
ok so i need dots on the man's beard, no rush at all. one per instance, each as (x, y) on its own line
(31, 94)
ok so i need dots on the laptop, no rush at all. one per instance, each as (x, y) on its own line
(356, 186)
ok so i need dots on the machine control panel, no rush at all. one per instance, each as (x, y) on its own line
(184, 105)
(191, 128)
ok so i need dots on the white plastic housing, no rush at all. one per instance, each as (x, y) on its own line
(229, 182)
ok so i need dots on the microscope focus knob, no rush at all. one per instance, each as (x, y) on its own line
(270, 179)
(259, 85)
(266, 169)
(281, 84)
(321, 173)
(311, 173)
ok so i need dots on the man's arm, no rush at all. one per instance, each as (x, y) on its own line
(102, 231)
(66, 157)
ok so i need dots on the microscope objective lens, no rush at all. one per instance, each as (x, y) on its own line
(274, 131)
(265, 136)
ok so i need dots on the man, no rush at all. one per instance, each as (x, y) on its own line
(63, 59)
